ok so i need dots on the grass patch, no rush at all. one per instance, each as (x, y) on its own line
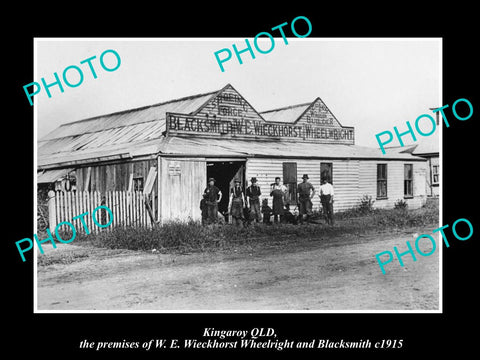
(192, 236)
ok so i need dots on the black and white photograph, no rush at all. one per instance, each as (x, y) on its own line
(221, 180)
(174, 178)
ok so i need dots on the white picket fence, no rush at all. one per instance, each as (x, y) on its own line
(128, 208)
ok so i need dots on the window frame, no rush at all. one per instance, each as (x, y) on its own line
(134, 183)
(435, 173)
(406, 180)
(381, 180)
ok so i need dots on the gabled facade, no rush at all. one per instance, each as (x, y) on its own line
(219, 134)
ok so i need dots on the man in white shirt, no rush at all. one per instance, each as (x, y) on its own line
(326, 198)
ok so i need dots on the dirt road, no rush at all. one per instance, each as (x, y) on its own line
(309, 275)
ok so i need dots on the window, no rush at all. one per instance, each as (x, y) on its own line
(408, 180)
(290, 181)
(138, 184)
(381, 181)
(326, 172)
(435, 174)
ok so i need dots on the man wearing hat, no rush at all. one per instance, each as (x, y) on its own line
(212, 196)
(305, 191)
(253, 200)
(326, 198)
(236, 203)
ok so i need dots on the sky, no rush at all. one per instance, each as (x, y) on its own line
(370, 84)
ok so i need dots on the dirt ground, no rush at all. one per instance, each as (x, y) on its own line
(311, 274)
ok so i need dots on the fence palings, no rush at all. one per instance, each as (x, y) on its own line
(128, 209)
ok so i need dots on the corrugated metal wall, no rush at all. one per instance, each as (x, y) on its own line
(351, 179)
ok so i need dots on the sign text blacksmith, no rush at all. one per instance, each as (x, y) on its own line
(179, 124)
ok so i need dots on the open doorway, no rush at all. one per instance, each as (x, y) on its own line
(224, 173)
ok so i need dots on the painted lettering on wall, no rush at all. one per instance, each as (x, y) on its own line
(229, 104)
(319, 114)
(174, 168)
(182, 124)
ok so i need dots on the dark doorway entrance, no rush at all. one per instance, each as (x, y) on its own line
(224, 173)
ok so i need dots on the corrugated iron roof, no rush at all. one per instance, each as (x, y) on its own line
(195, 147)
(49, 176)
(258, 148)
(101, 139)
(121, 133)
(130, 117)
(139, 132)
(428, 145)
(111, 152)
(288, 114)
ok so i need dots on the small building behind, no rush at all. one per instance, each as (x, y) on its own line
(428, 148)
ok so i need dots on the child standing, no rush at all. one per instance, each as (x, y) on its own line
(266, 211)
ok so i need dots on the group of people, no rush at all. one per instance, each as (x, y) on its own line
(305, 193)
(246, 206)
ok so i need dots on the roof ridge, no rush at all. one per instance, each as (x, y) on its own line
(141, 107)
(285, 107)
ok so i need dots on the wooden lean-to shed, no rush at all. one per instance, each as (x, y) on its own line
(182, 142)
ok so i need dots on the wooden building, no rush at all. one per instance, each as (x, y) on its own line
(181, 143)
(428, 148)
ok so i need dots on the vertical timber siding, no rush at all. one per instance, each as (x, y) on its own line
(113, 177)
(181, 192)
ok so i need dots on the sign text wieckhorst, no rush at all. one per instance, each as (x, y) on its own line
(178, 123)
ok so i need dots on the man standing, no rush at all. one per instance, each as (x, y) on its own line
(305, 191)
(236, 203)
(326, 198)
(253, 200)
(212, 196)
(278, 193)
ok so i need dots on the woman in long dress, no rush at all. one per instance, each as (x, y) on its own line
(237, 203)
